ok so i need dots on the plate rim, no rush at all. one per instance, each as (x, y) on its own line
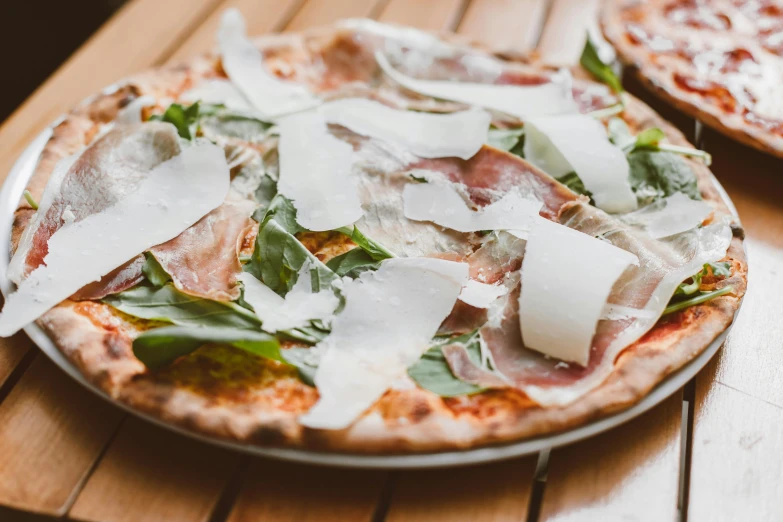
(10, 194)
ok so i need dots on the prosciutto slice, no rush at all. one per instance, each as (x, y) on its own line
(204, 261)
(648, 287)
(80, 186)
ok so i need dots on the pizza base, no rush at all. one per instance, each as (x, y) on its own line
(659, 80)
(229, 394)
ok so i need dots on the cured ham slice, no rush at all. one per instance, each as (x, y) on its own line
(663, 265)
(104, 173)
(203, 260)
(119, 279)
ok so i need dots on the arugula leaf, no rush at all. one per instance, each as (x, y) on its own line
(282, 210)
(219, 121)
(265, 193)
(161, 346)
(720, 269)
(170, 305)
(654, 175)
(649, 139)
(432, 371)
(418, 179)
(602, 72)
(153, 271)
(30, 200)
(306, 362)
(506, 139)
(185, 119)
(375, 250)
(352, 263)
(574, 182)
(703, 297)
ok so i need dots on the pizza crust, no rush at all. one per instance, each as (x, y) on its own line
(258, 400)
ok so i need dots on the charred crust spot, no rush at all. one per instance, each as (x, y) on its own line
(117, 345)
(737, 231)
(267, 436)
(420, 411)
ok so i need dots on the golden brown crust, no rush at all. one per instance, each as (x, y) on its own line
(229, 394)
(656, 73)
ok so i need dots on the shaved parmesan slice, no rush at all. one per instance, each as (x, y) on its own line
(567, 277)
(615, 312)
(426, 135)
(389, 320)
(315, 173)
(442, 204)
(175, 195)
(297, 308)
(577, 143)
(219, 92)
(244, 65)
(669, 216)
(481, 295)
(520, 101)
(131, 113)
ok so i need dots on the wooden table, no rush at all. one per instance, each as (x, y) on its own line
(712, 452)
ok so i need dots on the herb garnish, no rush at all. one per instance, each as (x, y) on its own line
(602, 72)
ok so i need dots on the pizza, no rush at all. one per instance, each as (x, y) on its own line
(366, 238)
(719, 61)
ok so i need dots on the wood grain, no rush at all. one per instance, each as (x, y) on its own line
(565, 31)
(286, 491)
(737, 443)
(505, 25)
(432, 15)
(151, 474)
(141, 34)
(261, 16)
(629, 473)
(494, 492)
(52, 431)
(12, 350)
(323, 12)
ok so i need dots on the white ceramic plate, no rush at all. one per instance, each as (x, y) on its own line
(9, 198)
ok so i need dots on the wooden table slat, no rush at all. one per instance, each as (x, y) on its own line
(150, 474)
(506, 25)
(499, 492)
(432, 15)
(52, 432)
(323, 12)
(628, 473)
(12, 351)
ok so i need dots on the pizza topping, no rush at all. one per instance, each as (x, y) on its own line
(301, 305)
(481, 295)
(160, 208)
(216, 91)
(244, 64)
(367, 350)
(132, 113)
(459, 134)
(563, 144)
(442, 204)
(203, 260)
(670, 215)
(520, 101)
(567, 277)
(315, 173)
(591, 61)
(121, 278)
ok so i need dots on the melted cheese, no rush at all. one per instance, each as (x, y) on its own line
(217, 91)
(297, 308)
(567, 277)
(520, 101)
(244, 65)
(388, 322)
(315, 173)
(669, 216)
(441, 203)
(175, 195)
(426, 135)
(577, 143)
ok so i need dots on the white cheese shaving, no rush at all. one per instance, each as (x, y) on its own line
(442, 204)
(460, 134)
(577, 143)
(481, 295)
(671, 215)
(131, 113)
(389, 320)
(217, 91)
(567, 277)
(523, 102)
(297, 308)
(615, 312)
(244, 65)
(315, 173)
(174, 195)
